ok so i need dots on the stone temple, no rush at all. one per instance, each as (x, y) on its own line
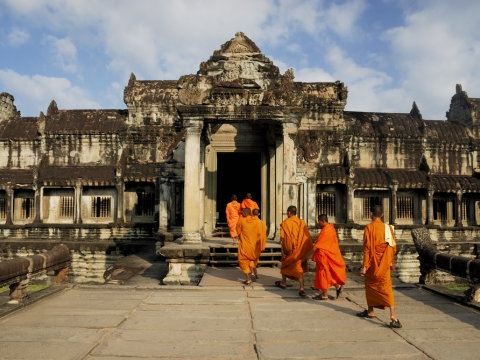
(107, 181)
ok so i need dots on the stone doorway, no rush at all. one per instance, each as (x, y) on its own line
(237, 173)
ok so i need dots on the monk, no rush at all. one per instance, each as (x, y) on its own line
(296, 244)
(249, 231)
(262, 239)
(331, 269)
(233, 214)
(249, 203)
(379, 247)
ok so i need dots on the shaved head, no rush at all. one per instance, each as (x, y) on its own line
(245, 212)
(292, 210)
(323, 217)
(377, 211)
(248, 196)
(234, 197)
(255, 212)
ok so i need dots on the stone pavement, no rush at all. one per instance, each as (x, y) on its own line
(242, 322)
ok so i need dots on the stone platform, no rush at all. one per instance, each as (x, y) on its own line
(241, 322)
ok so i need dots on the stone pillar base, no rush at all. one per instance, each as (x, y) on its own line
(192, 238)
(184, 274)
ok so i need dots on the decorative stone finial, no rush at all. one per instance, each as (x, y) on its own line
(415, 111)
(239, 33)
(132, 79)
(458, 88)
(52, 108)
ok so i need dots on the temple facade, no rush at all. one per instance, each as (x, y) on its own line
(104, 180)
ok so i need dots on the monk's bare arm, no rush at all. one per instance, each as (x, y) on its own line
(366, 251)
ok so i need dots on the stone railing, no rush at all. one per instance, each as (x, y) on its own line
(431, 259)
(17, 272)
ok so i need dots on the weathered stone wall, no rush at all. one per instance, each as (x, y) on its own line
(7, 108)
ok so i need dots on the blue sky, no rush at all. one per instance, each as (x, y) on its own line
(388, 53)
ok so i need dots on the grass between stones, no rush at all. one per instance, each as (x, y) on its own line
(30, 288)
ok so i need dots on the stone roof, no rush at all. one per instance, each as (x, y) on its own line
(19, 128)
(141, 172)
(86, 122)
(90, 175)
(331, 174)
(450, 183)
(395, 125)
(152, 91)
(446, 131)
(16, 177)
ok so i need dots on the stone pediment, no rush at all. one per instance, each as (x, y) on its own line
(239, 74)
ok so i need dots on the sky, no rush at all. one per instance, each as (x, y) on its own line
(388, 53)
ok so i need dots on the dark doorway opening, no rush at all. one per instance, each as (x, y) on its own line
(237, 173)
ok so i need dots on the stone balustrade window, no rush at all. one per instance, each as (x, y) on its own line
(326, 204)
(439, 209)
(145, 204)
(405, 207)
(101, 207)
(66, 206)
(28, 209)
(367, 204)
(3, 208)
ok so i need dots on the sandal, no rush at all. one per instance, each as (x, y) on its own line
(247, 282)
(339, 291)
(279, 284)
(395, 324)
(320, 297)
(364, 314)
(254, 279)
(302, 293)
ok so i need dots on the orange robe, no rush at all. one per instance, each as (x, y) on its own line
(249, 203)
(233, 214)
(296, 244)
(263, 234)
(378, 259)
(249, 245)
(331, 267)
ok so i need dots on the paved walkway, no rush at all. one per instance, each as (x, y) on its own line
(225, 322)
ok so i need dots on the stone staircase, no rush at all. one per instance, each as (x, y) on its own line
(224, 253)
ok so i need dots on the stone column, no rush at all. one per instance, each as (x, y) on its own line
(120, 196)
(458, 208)
(430, 193)
(393, 202)
(37, 219)
(210, 189)
(9, 214)
(278, 185)
(78, 202)
(311, 190)
(350, 194)
(163, 205)
(290, 186)
(271, 198)
(191, 228)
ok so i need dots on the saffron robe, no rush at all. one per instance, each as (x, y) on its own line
(296, 244)
(378, 259)
(249, 231)
(331, 267)
(233, 214)
(250, 204)
(263, 234)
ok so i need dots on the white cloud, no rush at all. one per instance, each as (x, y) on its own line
(342, 18)
(33, 93)
(313, 75)
(64, 53)
(17, 37)
(438, 46)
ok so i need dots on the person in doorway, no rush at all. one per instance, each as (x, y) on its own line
(331, 269)
(379, 248)
(296, 243)
(263, 236)
(248, 203)
(233, 212)
(249, 231)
